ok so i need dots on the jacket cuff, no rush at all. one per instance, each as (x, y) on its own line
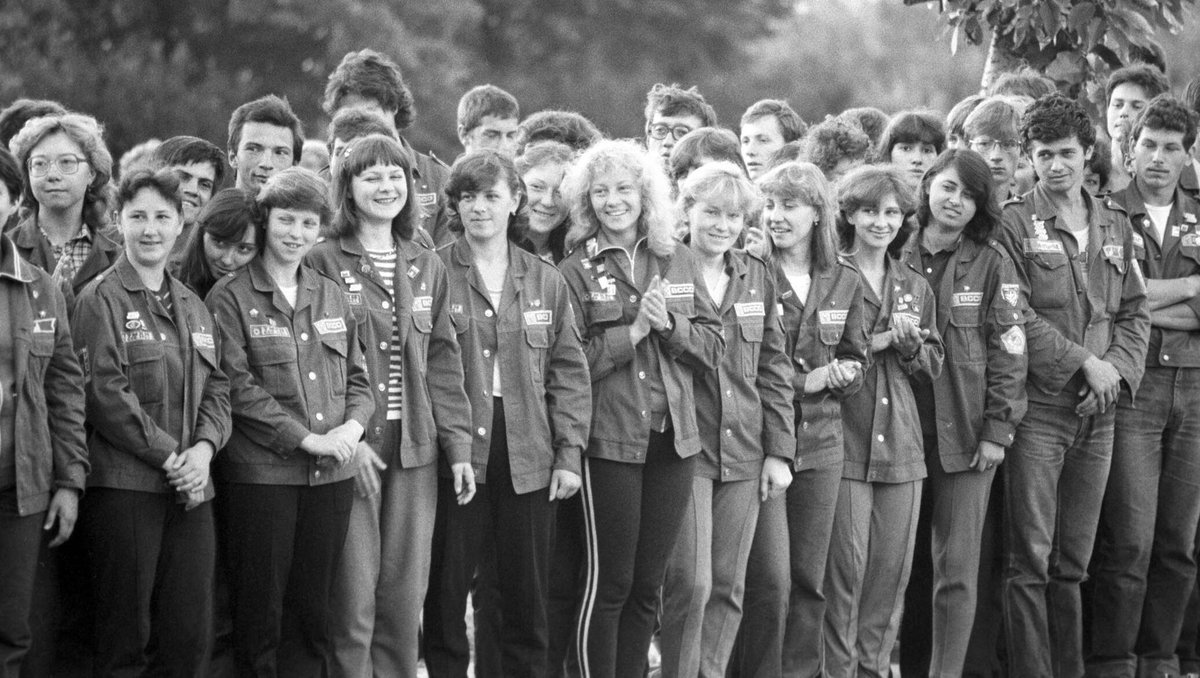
(621, 349)
(73, 477)
(1000, 432)
(458, 454)
(569, 459)
(289, 437)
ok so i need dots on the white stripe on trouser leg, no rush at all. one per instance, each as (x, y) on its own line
(593, 568)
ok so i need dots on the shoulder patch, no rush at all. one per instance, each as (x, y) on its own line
(1013, 340)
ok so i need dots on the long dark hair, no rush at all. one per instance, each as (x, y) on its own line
(226, 217)
(976, 179)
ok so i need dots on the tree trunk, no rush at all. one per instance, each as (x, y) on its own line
(1000, 59)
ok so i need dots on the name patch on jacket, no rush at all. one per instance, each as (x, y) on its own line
(680, 290)
(543, 317)
(203, 340)
(422, 304)
(44, 325)
(140, 335)
(602, 296)
(329, 325)
(834, 317)
(354, 298)
(966, 299)
(1114, 251)
(749, 309)
(1044, 246)
(1189, 240)
(912, 317)
(262, 331)
(426, 199)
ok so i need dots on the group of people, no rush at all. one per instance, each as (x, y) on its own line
(766, 402)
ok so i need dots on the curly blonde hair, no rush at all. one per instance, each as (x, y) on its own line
(658, 217)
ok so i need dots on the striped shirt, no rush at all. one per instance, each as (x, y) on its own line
(385, 264)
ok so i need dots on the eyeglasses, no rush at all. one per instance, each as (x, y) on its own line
(67, 164)
(660, 131)
(988, 145)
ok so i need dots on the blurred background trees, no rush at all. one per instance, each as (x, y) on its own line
(162, 67)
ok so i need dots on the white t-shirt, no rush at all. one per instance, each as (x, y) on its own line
(495, 297)
(800, 283)
(1158, 220)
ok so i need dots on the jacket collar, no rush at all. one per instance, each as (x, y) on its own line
(11, 266)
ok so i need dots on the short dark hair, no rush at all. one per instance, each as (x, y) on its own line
(1145, 76)
(294, 188)
(833, 140)
(270, 110)
(976, 179)
(716, 143)
(363, 153)
(371, 75)
(1025, 82)
(484, 100)
(185, 150)
(480, 170)
(10, 176)
(14, 117)
(673, 100)
(352, 123)
(1164, 112)
(867, 186)
(226, 217)
(1055, 117)
(161, 181)
(912, 127)
(1191, 95)
(791, 125)
(1101, 160)
(567, 127)
(870, 119)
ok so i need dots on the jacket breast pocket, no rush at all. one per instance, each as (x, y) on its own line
(604, 312)
(423, 321)
(537, 339)
(1050, 280)
(276, 366)
(684, 305)
(830, 336)
(966, 323)
(752, 336)
(1115, 268)
(147, 372)
(336, 355)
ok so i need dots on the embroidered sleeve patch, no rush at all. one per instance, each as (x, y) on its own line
(1010, 293)
(1013, 340)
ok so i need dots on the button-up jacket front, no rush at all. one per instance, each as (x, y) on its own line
(436, 411)
(980, 394)
(880, 421)
(605, 301)
(1081, 304)
(826, 326)
(48, 384)
(745, 405)
(123, 335)
(292, 372)
(547, 393)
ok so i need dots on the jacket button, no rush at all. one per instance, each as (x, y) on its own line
(884, 400)
(488, 313)
(384, 304)
(726, 471)
(320, 417)
(312, 376)
(487, 353)
(644, 414)
(633, 298)
(382, 387)
(482, 431)
(383, 346)
(728, 433)
(729, 392)
(1166, 357)
(879, 437)
(641, 374)
(304, 336)
(378, 430)
(316, 474)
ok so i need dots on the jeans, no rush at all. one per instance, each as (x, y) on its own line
(1144, 563)
(20, 541)
(758, 649)
(1057, 469)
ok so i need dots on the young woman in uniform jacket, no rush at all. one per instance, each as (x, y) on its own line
(157, 412)
(648, 326)
(396, 290)
(66, 168)
(748, 444)
(301, 400)
(42, 398)
(970, 413)
(821, 297)
(524, 364)
(880, 493)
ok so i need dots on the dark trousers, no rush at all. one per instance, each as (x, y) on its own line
(152, 575)
(633, 513)
(567, 569)
(284, 542)
(519, 528)
(984, 650)
(20, 541)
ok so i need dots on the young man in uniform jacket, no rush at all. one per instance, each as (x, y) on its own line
(1087, 330)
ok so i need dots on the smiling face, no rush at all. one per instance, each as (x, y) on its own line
(150, 224)
(291, 233)
(225, 256)
(950, 205)
(263, 150)
(379, 193)
(913, 158)
(761, 137)
(715, 227)
(57, 190)
(616, 199)
(547, 209)
(1159, 157)
(196, 183)
(485, 213)
(1060, 164)
(789, 221)
(876, 226)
